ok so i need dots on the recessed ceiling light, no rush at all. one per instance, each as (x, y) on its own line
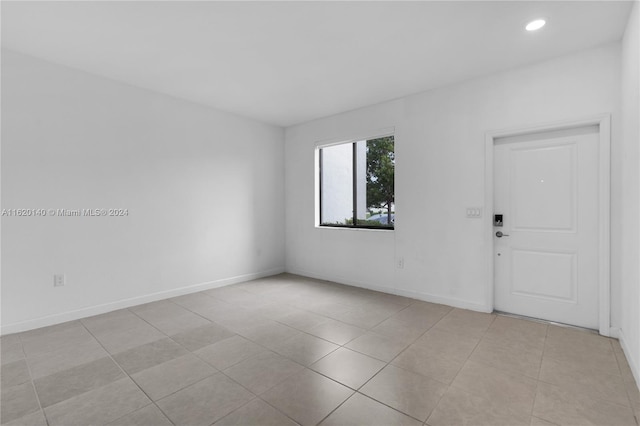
(535, 25)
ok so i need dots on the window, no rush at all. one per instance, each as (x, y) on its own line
(357, 184)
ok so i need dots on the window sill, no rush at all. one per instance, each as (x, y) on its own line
(357, 228)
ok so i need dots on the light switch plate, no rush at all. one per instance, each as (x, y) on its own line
(474, 212)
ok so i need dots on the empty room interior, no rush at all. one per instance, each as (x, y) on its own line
(320, 213)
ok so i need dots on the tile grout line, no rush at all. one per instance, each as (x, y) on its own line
(486, 364)
(128, 376)
(217, 370)
(624, 383)
(304, 366)
(222, 371)
(544, 349)
(269, 319)
(463, 364)
(266, 402)
(302, 331)
(509, 372)
(188, 353)
(537, 378)
(388, 363)
(592, 398)
(367, 330)
(339, 405)
(308, 367)
(357, 390)
(535, 395)
(33, 381)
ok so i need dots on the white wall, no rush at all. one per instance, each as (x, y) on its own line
(630, 327)
(439, 144)
(204, 190)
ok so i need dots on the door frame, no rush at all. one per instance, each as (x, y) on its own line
(603, 121)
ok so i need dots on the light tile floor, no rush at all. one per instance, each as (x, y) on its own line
(289, 350)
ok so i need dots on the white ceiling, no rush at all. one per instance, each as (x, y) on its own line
(290, 62)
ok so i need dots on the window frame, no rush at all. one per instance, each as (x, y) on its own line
(353, 142)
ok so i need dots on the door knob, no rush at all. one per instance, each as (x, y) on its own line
(499, 234)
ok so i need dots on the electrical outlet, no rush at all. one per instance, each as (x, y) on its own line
(58, 280)
(400, 262)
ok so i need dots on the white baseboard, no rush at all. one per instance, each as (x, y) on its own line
(339, 280)
(631, 359)
(126, 303)
(443, 300)
(614, 332)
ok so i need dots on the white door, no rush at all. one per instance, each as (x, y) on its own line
(546, 189)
